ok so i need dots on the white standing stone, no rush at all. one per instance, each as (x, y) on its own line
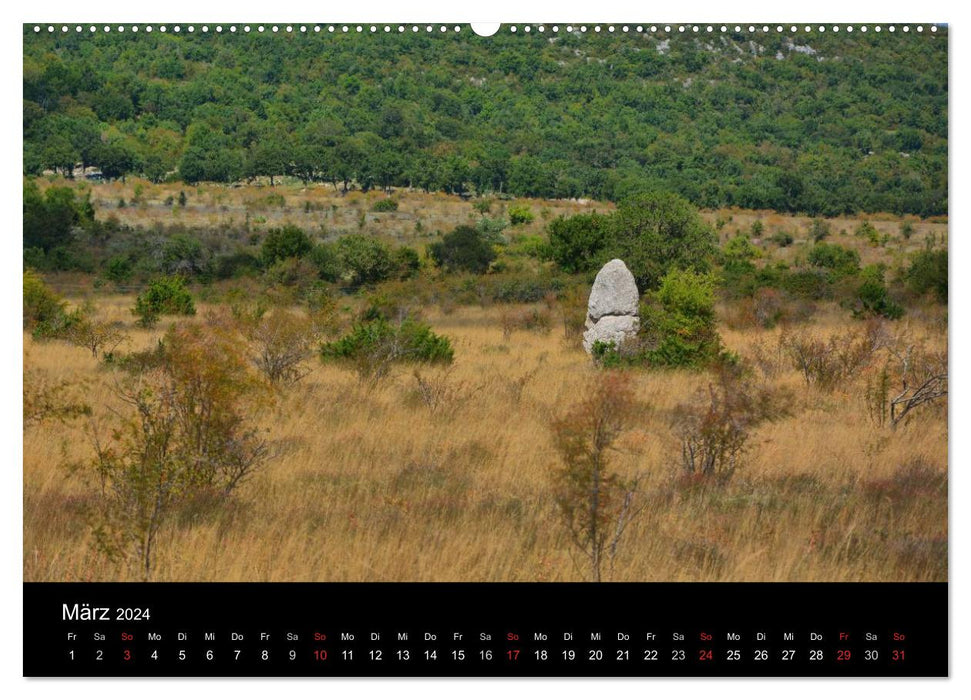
(613, 306)
(614, 292)
(611, 329)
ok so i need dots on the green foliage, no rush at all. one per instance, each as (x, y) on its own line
(839, 261)
(287, 242)
(464, 249)
(483, 206)
(928, 273)
(757, 228)
(327, 261)
(520, 214)
(681, 321)
(50, 217)
(118, 269)
(652, 233)
(42, 306)
(868, 231)
(373, 347)
(579, 243)
(655, 233)
(491, 230)
(873, 298)
(388, 204)
(184, 254)
(365, 260)
(720, 125)
(783, 239)
(165, 296)
(739, 249)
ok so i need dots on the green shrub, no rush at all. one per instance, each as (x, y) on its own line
(287, 242)
(838, 260)
(873, 298)
(578, 243)
(483, 206)
(373, 347)
(364, 260)
(739, 249)
(464, 249)
(906, 230)
(325, 258)
(783, 239)
(520, 214)
(757, 228)
(165, 296)
(382, 205)
(868, 231)
(681, 322)
(491, 230)
(118, 269)
(41, 304)
(928, 273)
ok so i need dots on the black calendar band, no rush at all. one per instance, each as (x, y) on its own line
(486, 629)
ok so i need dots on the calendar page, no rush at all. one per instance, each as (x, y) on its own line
(546, 349)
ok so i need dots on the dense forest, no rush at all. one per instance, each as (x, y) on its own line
(820, 124)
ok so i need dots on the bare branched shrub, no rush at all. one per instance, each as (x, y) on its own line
(596, 504)
(441, 392)
(713, 429)
(828, 363)
(185, 433)
(516, 385)
(920, 378)
(281, 342)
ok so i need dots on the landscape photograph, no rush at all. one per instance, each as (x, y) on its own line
(622, 303)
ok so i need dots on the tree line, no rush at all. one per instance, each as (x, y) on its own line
(820, 124)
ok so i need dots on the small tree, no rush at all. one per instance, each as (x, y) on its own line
(96, 336)
(282, 243)
(596, 504)
(164, 296)
(186, 434)
(464, 249)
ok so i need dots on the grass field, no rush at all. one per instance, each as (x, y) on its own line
(371, 484)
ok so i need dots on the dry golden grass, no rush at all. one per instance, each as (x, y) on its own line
(373, 485)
